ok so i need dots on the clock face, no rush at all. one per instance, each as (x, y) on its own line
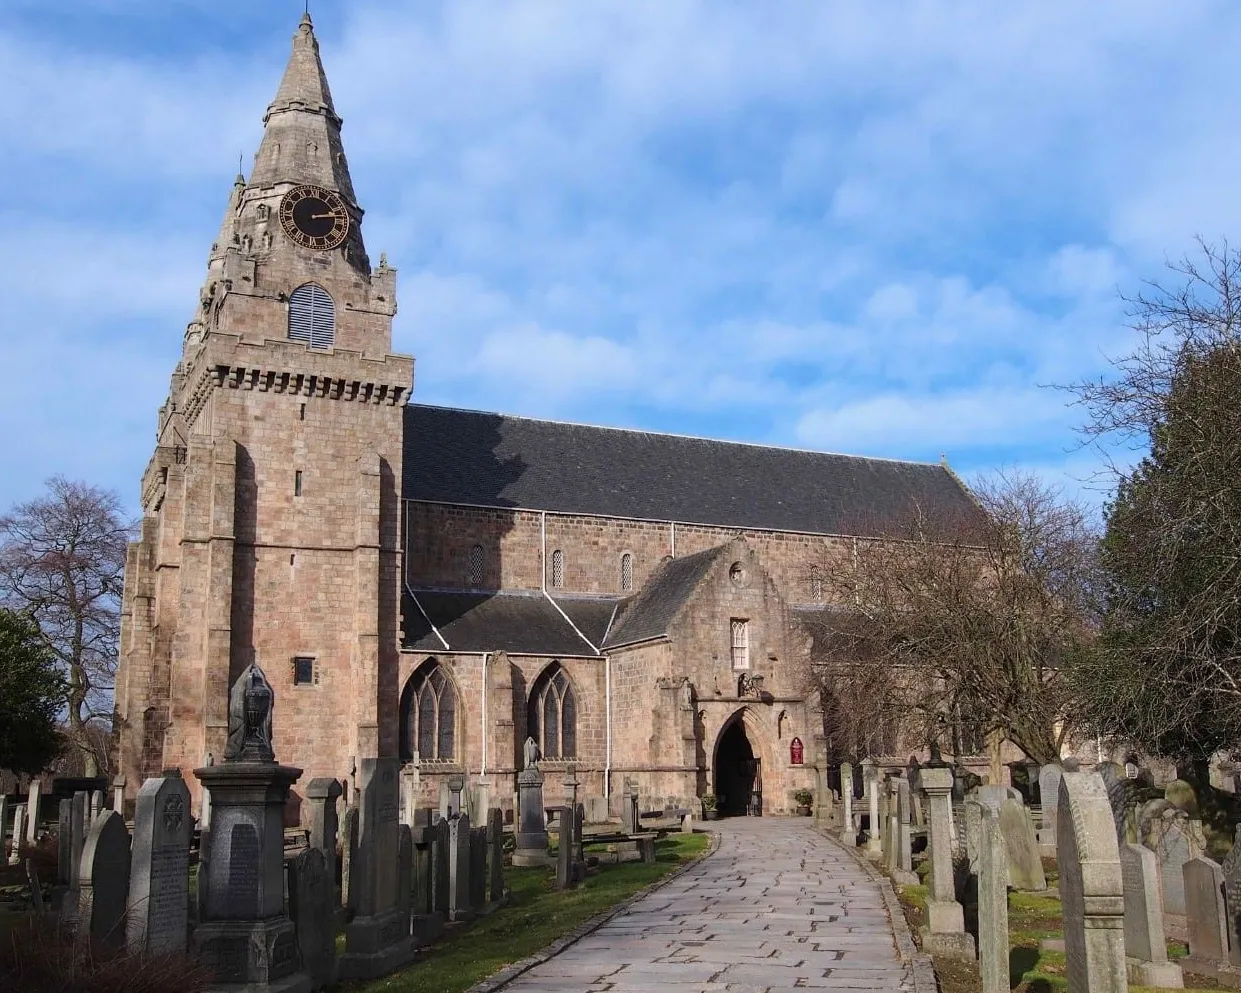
(314, 218)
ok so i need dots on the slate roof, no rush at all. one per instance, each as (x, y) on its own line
(650, 613)
(521, 623)
(496, 460)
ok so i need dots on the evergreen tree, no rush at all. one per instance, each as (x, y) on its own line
(32, 693)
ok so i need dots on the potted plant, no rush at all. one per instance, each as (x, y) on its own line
(803, 799)
(709, 803)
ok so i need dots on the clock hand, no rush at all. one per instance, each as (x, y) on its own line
(316, 217)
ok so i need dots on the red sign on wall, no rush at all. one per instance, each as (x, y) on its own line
(797, 753)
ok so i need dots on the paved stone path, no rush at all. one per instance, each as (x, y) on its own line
(777, 907)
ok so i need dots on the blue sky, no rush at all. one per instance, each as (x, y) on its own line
(871, 227)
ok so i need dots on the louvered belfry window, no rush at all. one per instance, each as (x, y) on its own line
(312, 316)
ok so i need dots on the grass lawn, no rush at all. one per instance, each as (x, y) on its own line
(1031, 918)
(536, 915)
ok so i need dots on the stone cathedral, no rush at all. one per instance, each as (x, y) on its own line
(440, 584)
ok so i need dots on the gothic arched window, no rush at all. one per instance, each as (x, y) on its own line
(557, 569)
(476, 565)
(429, 715)
(312, 316)
(551, 716)
(626, 572)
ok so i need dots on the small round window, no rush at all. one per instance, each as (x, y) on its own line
(738, 574)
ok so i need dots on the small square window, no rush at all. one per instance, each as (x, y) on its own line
(305, 671)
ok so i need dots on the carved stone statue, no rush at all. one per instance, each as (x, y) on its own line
(687, 694)
(250, 707)
(530, 754)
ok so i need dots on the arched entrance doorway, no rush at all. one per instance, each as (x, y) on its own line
(738, 772)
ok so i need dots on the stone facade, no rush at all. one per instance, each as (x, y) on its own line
(281, 527)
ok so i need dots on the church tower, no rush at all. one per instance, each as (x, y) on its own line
(270, 525)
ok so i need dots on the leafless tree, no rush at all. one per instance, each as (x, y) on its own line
(956, 631)
(62, 560)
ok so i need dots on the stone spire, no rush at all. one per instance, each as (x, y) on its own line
(228, 227)
(301, 137)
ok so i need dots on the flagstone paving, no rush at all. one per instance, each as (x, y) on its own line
(777, 907)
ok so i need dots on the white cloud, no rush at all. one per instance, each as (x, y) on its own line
(866, 225)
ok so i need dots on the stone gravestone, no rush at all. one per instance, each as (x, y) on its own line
(441, 874)
(1091, 890)
(848, 832)
(96, 806)
(377, 939)
(1049, 797)
(425, 924)
(1174, 843)
(79, 813)
(564, 849)
(64, 838)
(944, 932)
(15, 847)
(459, 868)
(1206, 916)
(478, 869)
(159, 880)
(495, 854)
(531, 823)
(405, 873)
(1231, 867)
(1117, 785)
(312, 905)
(104, 883)
(4, 818)
(870, 785)
(1025, 865)
(243, 936)
(1145, 942)
(411, 780)
(321, 796)
(631, 822)
(971, 812)
(34, 799)
(456, 787)
(348, 859)
(992, 904)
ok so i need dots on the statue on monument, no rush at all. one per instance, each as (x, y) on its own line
(530, 753)
(687, 694)
(250, 707)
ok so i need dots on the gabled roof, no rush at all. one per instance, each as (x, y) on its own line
(651, 612)
(520, 623)
(495, 460)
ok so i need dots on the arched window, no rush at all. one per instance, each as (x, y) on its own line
(429, 715)
(626, 573)
(312, 316)
(551, 717)
(815, 584)
(557, 569)
(476, 565)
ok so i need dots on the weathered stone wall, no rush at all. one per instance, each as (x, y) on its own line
(439, 538)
